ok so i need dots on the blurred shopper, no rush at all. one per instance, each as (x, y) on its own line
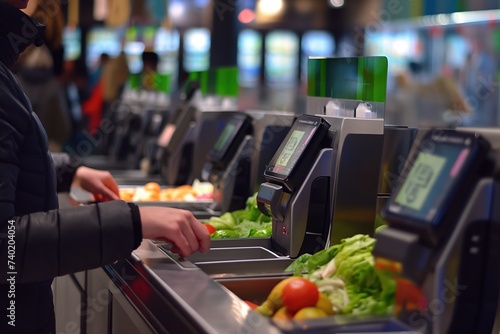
(38, 68)
(93, 106)
(114, 77)
(478, 81)
(49, 13)
(38, 241)
(149, 70)
(35, 70)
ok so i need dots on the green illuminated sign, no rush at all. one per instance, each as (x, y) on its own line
(221, 82)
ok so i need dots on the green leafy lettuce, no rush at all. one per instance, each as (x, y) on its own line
(346, 274)
(245, 223)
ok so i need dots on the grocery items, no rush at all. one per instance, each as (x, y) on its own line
(300, 293)
(310, 313)
(345, 273)
(274, 300)
(245, 223)
(152, 191)
(295, 297)
(339, 280)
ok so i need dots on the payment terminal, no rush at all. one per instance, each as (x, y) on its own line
(302, 155)
(321, 184)
(443, 234)
(228, 164)
(300, 144)
(437, 184)
(177, 156)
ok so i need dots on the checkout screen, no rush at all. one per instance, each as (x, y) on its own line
(430, 182)
(291, 149)
(224, 137)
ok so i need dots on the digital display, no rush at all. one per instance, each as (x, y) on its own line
(281, 58)
(231, 136)
(290, 147)
(224, 137)
(420, 181)
(102, 40)
(72, 41)
(293, 146)
(249, 57)
(430, 182)
(196, 50)
(315, 43)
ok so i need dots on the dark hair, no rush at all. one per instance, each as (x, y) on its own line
(150, 57)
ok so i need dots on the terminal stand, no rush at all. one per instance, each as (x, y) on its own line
(336, 194)
(232, 185)
(461, 283)
(455, 282)
(304, 228)
(176, 165)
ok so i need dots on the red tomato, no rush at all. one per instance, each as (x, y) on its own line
(100, 198)
(300, 293)
(210, 228)
(253, 306)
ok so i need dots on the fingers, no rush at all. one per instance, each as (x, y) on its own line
(193, 238)
(100, 183)
(186, 233)
(111, 184)
(108, 193)
(202, 235)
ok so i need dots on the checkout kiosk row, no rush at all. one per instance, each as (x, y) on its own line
(320, 183)
(318, 177)
(442, 243)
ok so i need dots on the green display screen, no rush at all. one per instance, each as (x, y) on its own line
(354, 78)
(289, 164)
(290, 147)
(221, 81)
(420, 181)
(224, 136)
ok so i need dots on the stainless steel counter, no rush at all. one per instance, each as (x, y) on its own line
(183, 298)
(176, 299)
(204, 293)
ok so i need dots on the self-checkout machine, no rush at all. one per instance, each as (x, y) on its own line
(321, 184)
(180, 155)
(442, 243)
(234, 160)
(228, 164)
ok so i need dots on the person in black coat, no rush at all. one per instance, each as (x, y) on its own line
(38, 241)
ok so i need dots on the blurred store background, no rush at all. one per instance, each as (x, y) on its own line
(444, 56)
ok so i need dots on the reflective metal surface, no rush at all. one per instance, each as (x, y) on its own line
(200, 304)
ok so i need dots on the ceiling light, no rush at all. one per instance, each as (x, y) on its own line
(336, 3)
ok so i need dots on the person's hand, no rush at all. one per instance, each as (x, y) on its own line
(100, 183)
(178, 227)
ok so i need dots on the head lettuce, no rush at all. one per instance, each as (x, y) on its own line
(346, 274)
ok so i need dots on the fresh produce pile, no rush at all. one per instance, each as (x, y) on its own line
(152, 191)
(345, 273)
(295, 297)
(339, 280)
(245, 223)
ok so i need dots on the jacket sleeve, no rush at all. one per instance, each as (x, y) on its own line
(58, 242)
(43, 245)
(65, 171)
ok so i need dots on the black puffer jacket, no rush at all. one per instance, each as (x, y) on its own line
(47, 241)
